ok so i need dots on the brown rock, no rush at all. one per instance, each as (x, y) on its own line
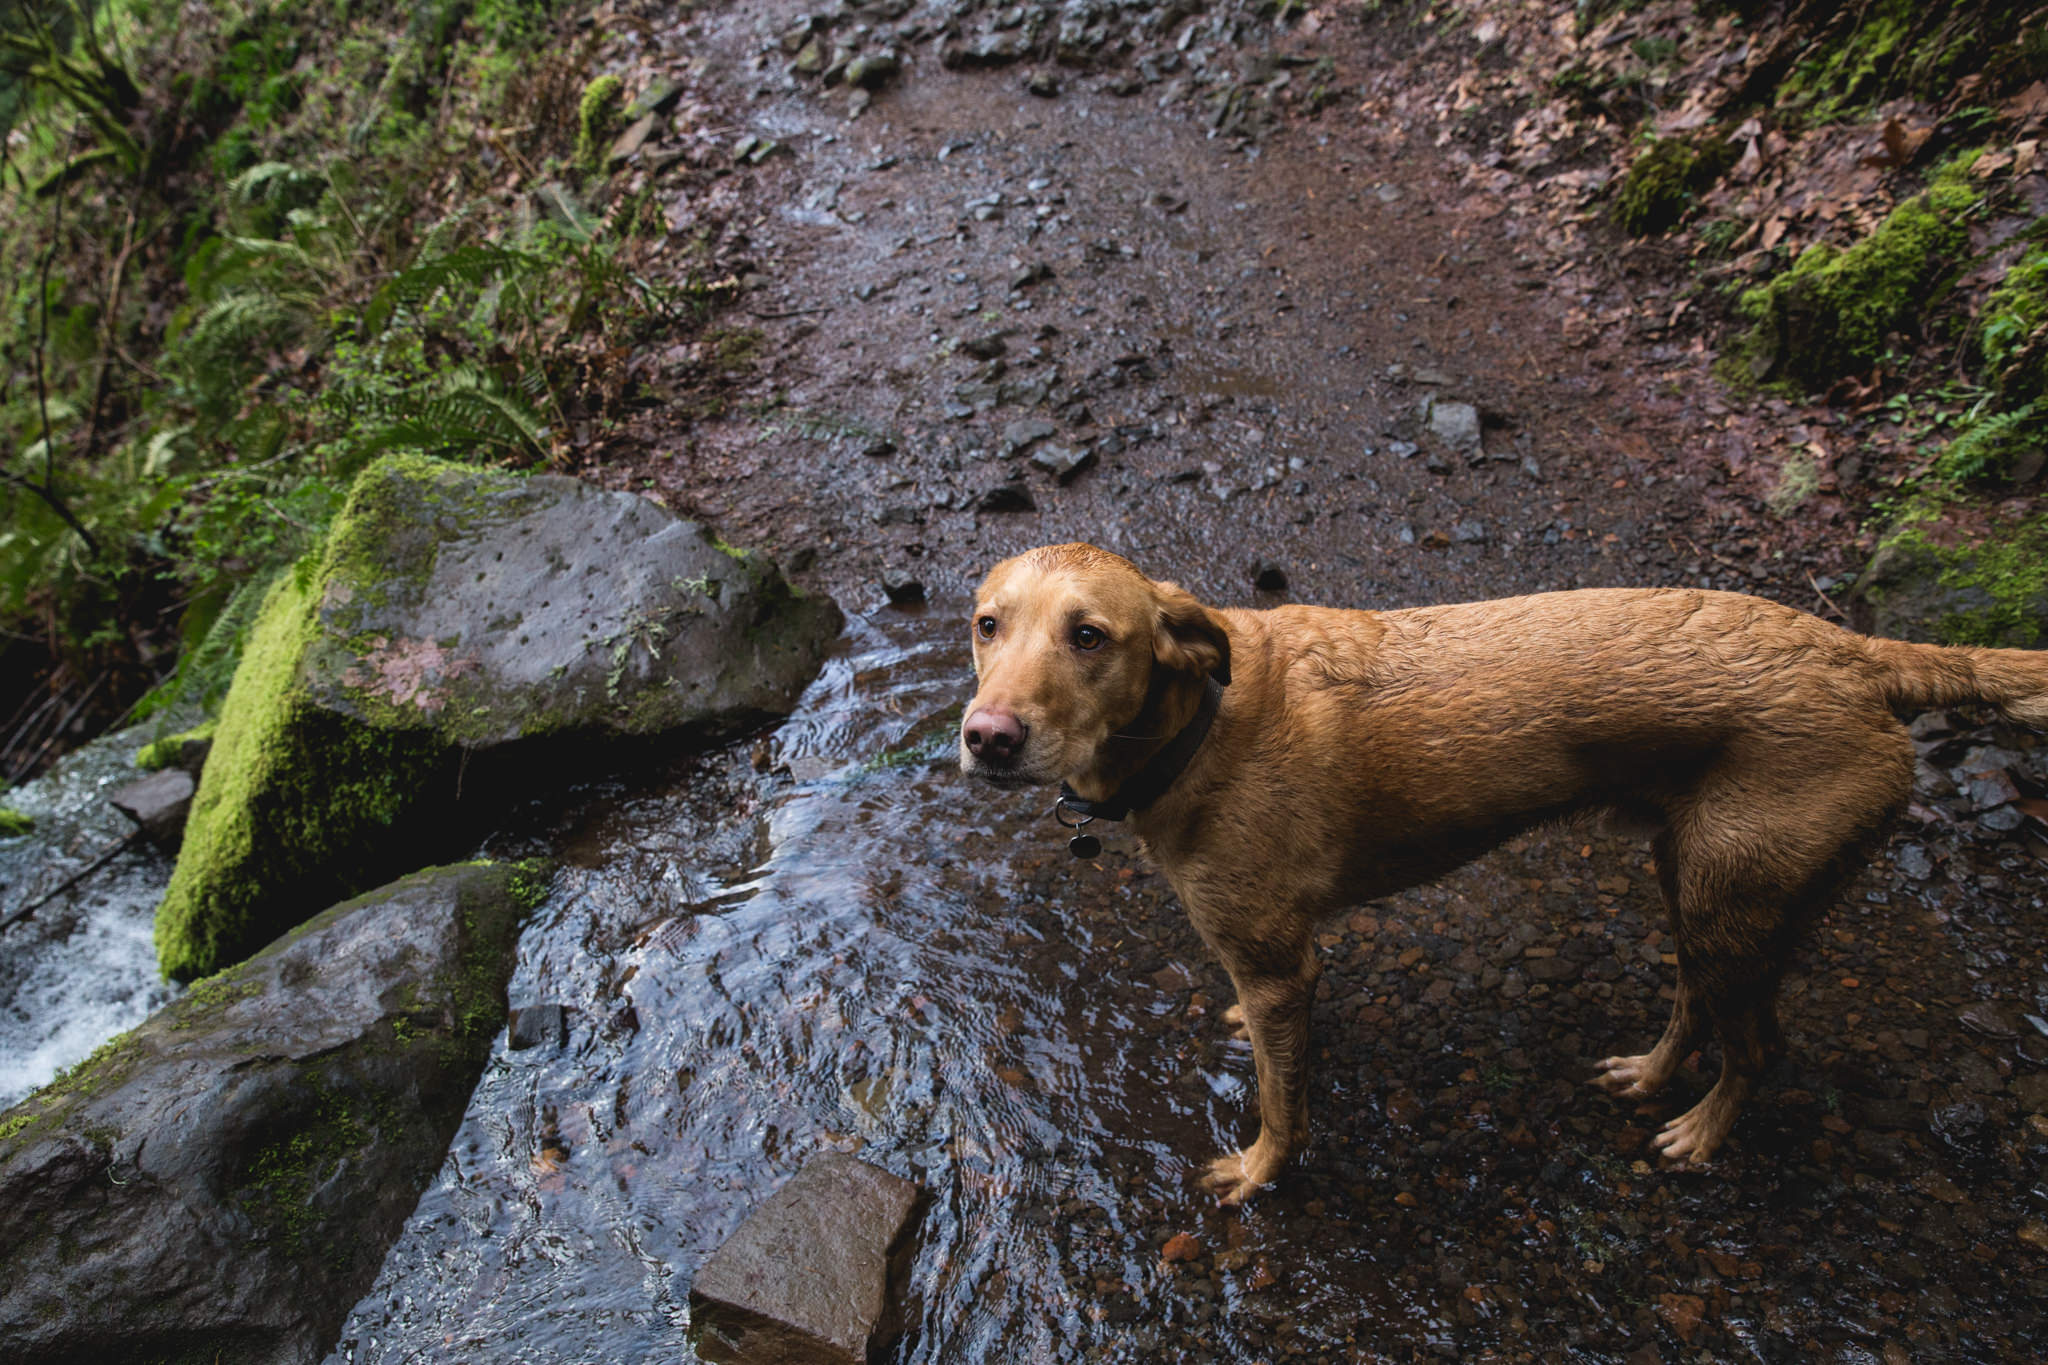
(808, 1278)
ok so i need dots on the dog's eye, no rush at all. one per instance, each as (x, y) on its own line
(1088, 637)
(986, 627)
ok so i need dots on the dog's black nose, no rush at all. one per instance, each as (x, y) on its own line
(994, 734)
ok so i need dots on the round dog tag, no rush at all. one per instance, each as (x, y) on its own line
(1084, 846)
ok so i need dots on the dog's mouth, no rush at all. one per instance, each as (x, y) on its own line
(1009, 777)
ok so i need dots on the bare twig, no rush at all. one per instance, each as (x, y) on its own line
(74, 879)
(1831, 605)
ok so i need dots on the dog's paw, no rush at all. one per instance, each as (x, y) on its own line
(1239, 1029)
(1628, 1076)
(1228, 1179)
(1692, 1138)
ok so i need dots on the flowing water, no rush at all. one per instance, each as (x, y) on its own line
(81, 966)
(864, 954)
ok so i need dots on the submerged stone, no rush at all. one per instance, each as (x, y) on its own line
(809, 1277)
(222, 1182)
(458, 612)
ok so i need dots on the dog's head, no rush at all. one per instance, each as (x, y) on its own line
(1084, 665)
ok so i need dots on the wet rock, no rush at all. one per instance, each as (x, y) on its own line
(1006, 497)
(872, 70)
(990, 49)
(809, 1277)
(460, 610)
(232, 1170)
(1915, 862)
(878, 447)
(1043, 84)
(659, 97)
(987, 346)
(902, 588)
(1456, 425)
(1029, 275)
(1064, 463)
(158, 804)
(1469, 532)
(537, 1026)
(1268, 576)
(1021, 435)
(628, 144)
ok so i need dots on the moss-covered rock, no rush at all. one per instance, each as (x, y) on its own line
(232, 1171)
(1829, 314)
(187, 749)
(1935, 582)
(1665, 180)
(452, 611)
(297, 804)
(597, 118)
(13, 823)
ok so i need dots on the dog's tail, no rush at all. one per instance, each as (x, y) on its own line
(2013, 680)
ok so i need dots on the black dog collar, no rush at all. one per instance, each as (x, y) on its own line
(1147, 785)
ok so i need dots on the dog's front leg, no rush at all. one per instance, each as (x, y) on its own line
(1274, 997)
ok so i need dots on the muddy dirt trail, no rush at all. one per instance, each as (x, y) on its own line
(993, 319)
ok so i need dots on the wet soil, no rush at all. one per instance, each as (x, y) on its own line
(826, 938)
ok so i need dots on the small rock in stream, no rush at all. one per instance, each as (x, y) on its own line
(158, 804)
(537, 1026)
(811, 1275)
(902, 589)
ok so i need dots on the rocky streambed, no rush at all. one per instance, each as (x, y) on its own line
(1300, 367)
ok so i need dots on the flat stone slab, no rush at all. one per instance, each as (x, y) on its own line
(806, 1280)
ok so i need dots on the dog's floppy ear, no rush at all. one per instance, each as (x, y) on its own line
(1189, 637)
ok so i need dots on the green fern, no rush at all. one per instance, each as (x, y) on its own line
(1987, 446)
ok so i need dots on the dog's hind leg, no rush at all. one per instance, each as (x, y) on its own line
(1647, 1073)
(1750, 1042)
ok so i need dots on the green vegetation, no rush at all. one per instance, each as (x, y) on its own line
(249, 247)
(13, 823)
(1831, 312)
(597, 118)
(1989, 588)
(1664, 182)
(176, 751)
(290, 798)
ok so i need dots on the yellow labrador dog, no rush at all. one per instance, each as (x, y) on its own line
(1283, 764)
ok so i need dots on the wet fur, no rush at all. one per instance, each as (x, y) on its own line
(1358, 753)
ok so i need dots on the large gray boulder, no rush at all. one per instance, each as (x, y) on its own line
(457, 612)
(223, 1182)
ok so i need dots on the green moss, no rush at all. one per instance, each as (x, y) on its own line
(2010, 331)
(1990, 589)
(280, 1179)
(1830, 313)
(597, 117)
(1834, 79)
(13, 823)
(292, 806)
(1664, 182)
(173, 751)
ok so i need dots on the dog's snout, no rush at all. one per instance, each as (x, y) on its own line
(994, 734)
